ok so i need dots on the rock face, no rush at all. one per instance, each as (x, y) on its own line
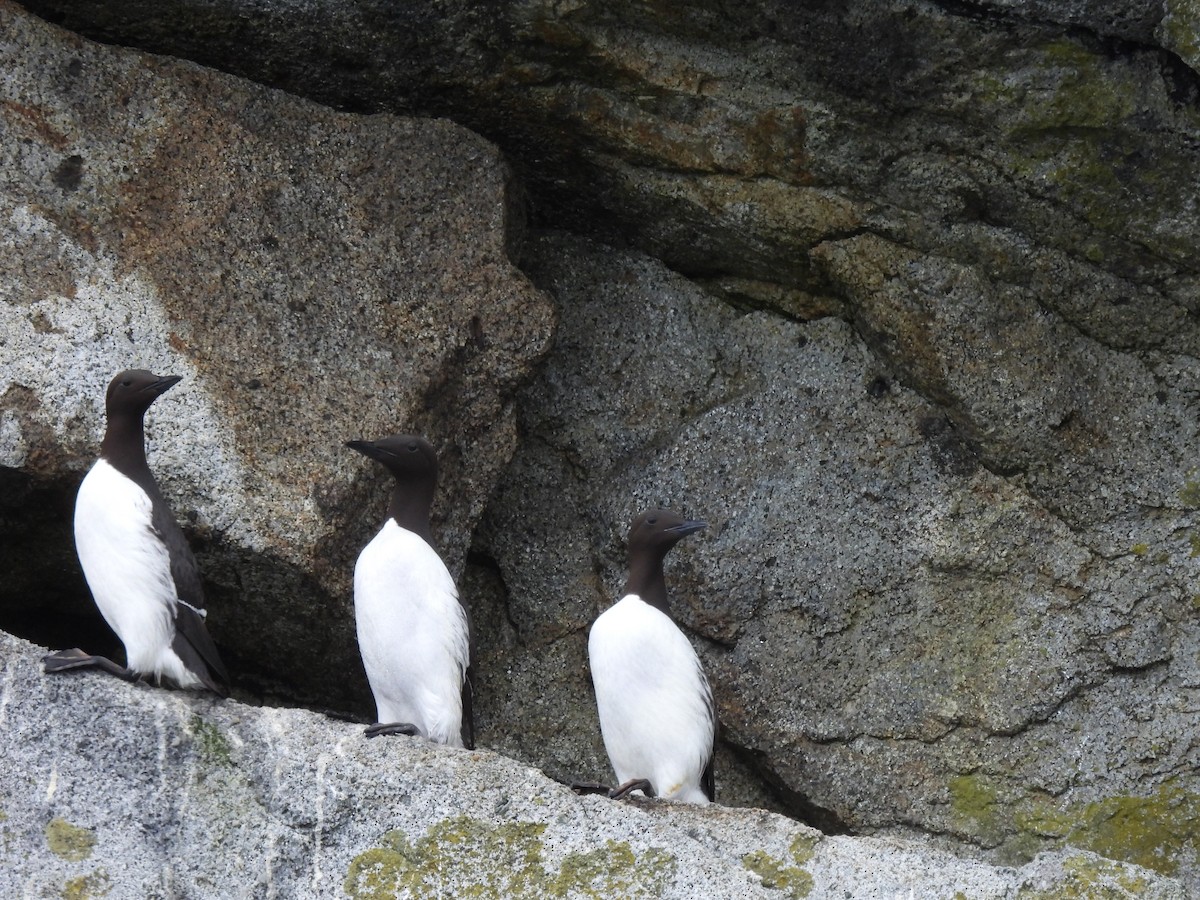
(127, 791)
(733, 140)
(905, 306)
(898, 635)
(315, 277)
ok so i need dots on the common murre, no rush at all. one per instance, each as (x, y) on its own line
(655, 705)
(135, 558)
(413, 632)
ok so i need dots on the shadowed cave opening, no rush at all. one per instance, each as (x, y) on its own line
(43, 596)
(45, 599)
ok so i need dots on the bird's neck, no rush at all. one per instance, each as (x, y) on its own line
(410, 506)
(124, 448)
(646, 579)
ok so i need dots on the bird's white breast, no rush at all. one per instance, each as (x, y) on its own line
(653, 699)
(412, 633)
(127, 568)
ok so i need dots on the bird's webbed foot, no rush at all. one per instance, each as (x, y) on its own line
(391, 728)
(634, 784)
(590, 787)
(68, 660)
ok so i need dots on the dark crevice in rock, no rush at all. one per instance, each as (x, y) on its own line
(1117, 668)
(1183, 82)
(255, 641)
(720, 643)
(43, 596)
(45, 599)
(771, 298)
(951, 448)
(796, 804)
(484, 561)
(1135, 31)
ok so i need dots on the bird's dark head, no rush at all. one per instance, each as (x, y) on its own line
(131, 392)
(660, 530)
(409, 457)
(651, 535)
(413, 463)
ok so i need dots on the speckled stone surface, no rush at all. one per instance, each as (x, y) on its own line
(910, 314)
(127, 791)
(314, 276)
(897, 634)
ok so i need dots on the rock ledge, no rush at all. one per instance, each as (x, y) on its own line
(130, 791)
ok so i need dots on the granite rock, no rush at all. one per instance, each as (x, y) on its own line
(899, 635)
(901, 297)
(314, 276)
(127, 791)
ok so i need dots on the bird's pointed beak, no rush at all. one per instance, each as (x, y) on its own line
(164, 384)
(690, 527)
(368, 449)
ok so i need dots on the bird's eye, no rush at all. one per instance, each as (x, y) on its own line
(412, 448)
(126, 383)
(652, 520)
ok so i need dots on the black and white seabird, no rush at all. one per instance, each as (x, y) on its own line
(412, 630)
(656, 708)
(135, 558)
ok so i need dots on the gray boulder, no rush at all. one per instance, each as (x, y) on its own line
(127, 791)
(730, 140)
(899, 636)
(908, 315)
(315, 276)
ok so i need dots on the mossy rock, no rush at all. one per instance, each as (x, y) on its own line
(470, 858)
(69, 842)
(778, 874)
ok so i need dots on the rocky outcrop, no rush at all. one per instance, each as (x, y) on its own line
(905, 305)
(126, 791)
(732, 141)
(315, 277)
(898, 635)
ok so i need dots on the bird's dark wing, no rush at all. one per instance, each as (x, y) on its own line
(468, 706)
(708, 781)
(196, 649)
(192, 642)
(468, 712)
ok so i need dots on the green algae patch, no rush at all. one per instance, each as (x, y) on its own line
(213, 746)
(615, 871)
(1189, 494)
(88, 887)
(1042, 818)
(1157, 832)
(1091, 878)
(1087, 93)
(1181, 27)
(378, 873)
(778, 875)
(70, 842)
(974, 799)
(470, 858)
(803, 848)
(1160, 832)
(1073, 128)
